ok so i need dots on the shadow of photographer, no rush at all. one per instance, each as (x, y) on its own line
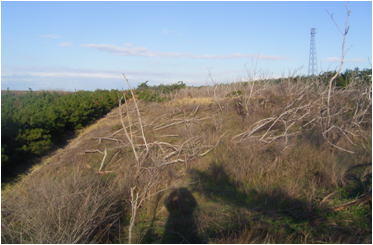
(181, 224)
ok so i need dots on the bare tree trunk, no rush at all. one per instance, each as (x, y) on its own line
(343, 53)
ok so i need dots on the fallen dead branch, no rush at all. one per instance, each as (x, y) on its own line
(361, 200)
(106, 138)
(103, 160)
(212, 148)
(308, 111)
(153, 156)
(327, 197)
(180, 121)
(93, 151)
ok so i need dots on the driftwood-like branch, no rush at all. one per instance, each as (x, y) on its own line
(308, 111)
(195, 111)
(116, 132)
(106, 138)
(169, 135)
(103, 160)
(129, 138)
(361, 200)
(327, 197)
(180, 121)
(134, 207)
(343, 53)
(172, 162)
(257, 126)
(93, 151)
(212, 148)
(138, 111)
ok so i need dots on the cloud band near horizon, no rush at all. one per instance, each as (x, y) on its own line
(131, 50)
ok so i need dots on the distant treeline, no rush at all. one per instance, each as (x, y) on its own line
(364, 76)
(32, 123)
(343, 79)
(157, 93)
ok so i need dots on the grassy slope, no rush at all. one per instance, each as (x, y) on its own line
(241, 192)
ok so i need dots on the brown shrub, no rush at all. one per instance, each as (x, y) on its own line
(73, 206)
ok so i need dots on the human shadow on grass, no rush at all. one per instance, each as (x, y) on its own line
(181, 224)
(216, 185)
(272, 209)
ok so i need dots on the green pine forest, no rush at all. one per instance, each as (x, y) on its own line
(33, 123)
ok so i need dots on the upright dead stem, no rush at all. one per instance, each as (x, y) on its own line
(158, 155)
(129, 137)
(215, 87)
(137, 110)
(134, 206)
(103, 160)
(128, 117)
(343, 53)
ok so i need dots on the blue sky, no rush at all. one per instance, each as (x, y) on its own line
(87, 45)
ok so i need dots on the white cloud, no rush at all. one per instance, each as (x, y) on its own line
(21, 78)
(18, 77)
(50, 36)
(64, 44)
(131, 50)
(22, 73)
(352, 60)
(166, 31)
(57, 73)
(76, 74)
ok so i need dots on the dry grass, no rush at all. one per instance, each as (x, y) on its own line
(72, 206)
(196, 101)
(260, 161)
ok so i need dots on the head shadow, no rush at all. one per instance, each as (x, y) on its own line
(181, 223)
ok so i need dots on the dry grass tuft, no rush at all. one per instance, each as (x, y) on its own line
(196, 101)
(73, 206)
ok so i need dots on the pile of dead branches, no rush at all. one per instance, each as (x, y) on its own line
(152, 157)
(340, 119)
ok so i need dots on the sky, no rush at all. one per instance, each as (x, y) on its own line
(88, 45)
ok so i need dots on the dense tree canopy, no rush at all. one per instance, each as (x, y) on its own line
(157, 93)
(363, 76)
(32, 123)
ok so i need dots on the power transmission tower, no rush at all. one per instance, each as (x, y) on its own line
(312, 63)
